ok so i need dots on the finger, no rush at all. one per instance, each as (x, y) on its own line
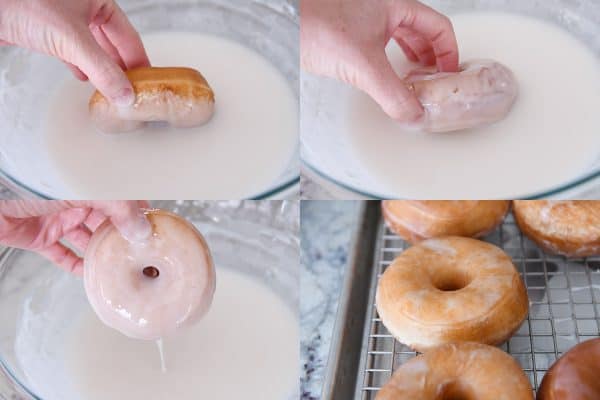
(434, 27)
(125, 215)
(143, 204)
(102, 71)
(94, 220)
(408, 52)
(34, 208)
(106, 45)
(419, 45)
(63, 257)
(123, 36)
(77, 72)
(79, 238)
(381, 82)
(4, 43)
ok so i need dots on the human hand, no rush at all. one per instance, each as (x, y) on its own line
(39, 225)
(94, 38)
(346, 40)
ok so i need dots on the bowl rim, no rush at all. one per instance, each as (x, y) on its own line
(5, 254)
(550, 192)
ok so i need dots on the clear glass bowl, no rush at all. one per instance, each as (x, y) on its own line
(259, 238)
(270, 27)
(326, 149)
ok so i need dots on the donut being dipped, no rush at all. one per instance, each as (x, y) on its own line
(469, 371)
(180, 96)
(483, 92)
(575, 375)
(415, 220)
(451, 289)
(570, 228)
(149, 290)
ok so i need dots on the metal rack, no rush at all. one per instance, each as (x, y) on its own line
(564, 298)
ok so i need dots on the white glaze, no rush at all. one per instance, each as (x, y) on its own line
(246, 347)
(142, 307)
(243, 149)
(549, 137)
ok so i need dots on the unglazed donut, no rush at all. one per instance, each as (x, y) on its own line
(149, 290)
(179, 96)
(415, 220)
(483, 92)
(570, 228)
(466, 371)
(451, 289)
(575, 375)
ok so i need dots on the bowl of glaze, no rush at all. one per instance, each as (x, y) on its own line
(329, 154)
(39, 302)
(267, 27)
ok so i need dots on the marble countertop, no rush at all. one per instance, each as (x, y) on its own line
(326, 231)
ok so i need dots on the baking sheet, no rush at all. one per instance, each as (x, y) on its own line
(564, 297)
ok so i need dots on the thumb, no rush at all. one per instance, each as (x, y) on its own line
(379, 80)
(128, 218)
(104, 73)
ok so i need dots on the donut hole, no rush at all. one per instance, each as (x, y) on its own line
(151, 271)
(456, 390)
(451, 281)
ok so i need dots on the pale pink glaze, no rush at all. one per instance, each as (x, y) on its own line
(139, 306)
(483, 92)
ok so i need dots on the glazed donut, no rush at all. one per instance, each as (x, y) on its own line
(459, 371)
(415, 220)
(149, 290)
(575, 375)
(451, 289)
(179, 96)
(483, 92)
(570, 228)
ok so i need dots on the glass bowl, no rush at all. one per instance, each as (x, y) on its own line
(270, 27)
(326, 149)
(259, 238)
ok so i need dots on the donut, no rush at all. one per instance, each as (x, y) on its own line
(575, 375)
(482, 93)
(415, 220)
(570, 228)
(179, 96)
(451, 289)
(148, 290)
(456, 371)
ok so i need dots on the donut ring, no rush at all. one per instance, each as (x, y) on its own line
(482, 93)
(149, 290)
(451, 289)
(459, 371)
(415, 220)
(575, 375)
(570, 228)
(179, 96)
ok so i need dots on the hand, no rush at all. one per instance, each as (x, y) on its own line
(94, 38)
(346, 39)
(39, 225)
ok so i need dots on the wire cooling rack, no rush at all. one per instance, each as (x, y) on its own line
(564, 309)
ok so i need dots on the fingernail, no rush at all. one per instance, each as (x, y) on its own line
(125, 98)
(138, 229)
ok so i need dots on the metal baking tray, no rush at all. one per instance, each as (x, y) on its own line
(564, 298)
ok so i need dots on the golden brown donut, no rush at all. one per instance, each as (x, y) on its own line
(570, 228)
(459, 371)
(575, 375)
(415, 220)
(179, 96)
(451, 289)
